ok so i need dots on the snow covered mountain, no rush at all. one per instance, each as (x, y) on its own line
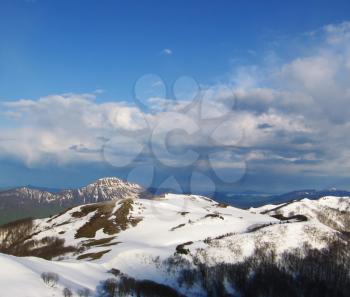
(105, 189)
(158, 240)
(30, 202)
(330, 211)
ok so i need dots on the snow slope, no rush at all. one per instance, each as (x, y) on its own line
(136, 236)
(330, 211)
(22, 276)
(165, 222)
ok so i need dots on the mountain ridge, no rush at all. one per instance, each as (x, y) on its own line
(24, 201)
(39, 202)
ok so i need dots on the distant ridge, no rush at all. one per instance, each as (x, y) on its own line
(40, 202)
(255, 199)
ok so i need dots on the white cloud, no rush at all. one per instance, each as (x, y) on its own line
(337, 33)
(51, 125)
(296, 112)
(167, 52)
(68, 128)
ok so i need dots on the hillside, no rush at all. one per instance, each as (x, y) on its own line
(330, 211)
(158, 239)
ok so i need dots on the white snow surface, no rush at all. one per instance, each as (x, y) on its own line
(166, 222)
(21, 277)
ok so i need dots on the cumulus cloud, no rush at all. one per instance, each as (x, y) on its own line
(59, 127)
(293, 114)
(313, 92)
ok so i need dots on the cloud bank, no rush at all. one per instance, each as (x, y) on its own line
(289, 116)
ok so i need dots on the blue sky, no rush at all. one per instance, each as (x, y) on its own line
(50, 47)
(69, 71)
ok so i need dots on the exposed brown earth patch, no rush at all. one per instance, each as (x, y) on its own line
(102, 218)
(93, 256)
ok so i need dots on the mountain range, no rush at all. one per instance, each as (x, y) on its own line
(39, 202)
(36, 202)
